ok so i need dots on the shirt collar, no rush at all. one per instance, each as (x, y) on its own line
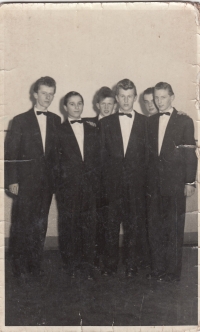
(70, 119)
(36, 109)
(100, 117)
(132, 112)
(170, 111)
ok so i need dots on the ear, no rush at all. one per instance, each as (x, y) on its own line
(97, 105)
(65, 107)
(135, 98)
(117, 98)
(172, 98)
(35, 95)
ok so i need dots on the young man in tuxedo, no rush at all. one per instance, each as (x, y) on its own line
(148, 99)
(123, 149)
(78, 185)
(171, 176)
(105, 102)
(30, 155)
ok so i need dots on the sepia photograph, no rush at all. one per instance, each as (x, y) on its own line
(100, 121)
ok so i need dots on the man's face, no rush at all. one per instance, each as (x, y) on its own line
(163, 100)
(106, 106)
(126, 99)
(149, 104)
(74, 107)
(44, 97)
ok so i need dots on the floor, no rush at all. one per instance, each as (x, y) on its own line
(57, 300)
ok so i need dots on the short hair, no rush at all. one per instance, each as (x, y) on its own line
(148, 91)
(46, 80)
(71, 94)
(126, 84)
(105, 92)
(164, 86)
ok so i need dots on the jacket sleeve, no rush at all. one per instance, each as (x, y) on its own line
(56, 155)
(12, 153)
(189, 152)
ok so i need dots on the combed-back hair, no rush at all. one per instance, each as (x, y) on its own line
(46, 80)
(103, 93)
(125, 84)
(71, 94)
(164, 86)
(148, 91)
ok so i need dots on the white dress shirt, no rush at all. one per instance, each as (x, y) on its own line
(42, 121)
(79, 134)
(163, 122)
(126, 124)
(100, 117)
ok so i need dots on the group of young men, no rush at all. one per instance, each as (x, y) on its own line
(119, 167)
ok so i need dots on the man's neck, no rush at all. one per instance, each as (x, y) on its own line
(169, 109)
(72, 119)
(125, 112)
(41, 108)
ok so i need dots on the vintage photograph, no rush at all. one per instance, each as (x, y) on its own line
(100, 173)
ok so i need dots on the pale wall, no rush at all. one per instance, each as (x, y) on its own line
(84, 49)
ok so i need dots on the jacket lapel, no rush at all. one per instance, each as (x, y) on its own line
(49, 133)
(87, 141)
(35, 129)
(117, 135)
(131, 141)
(169, 133)
(71, 139)
(154, 133)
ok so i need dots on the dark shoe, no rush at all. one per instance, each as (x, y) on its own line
(109, 273)
(96, 263)
(37, 273)
(131, 273)
(90, 277)
(155, 276)
(171, 278)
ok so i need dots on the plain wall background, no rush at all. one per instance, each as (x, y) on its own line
(84, 48)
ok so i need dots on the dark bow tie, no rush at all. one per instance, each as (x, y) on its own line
(40, 112)
(74, 121)
(164, 113)
(127, 114)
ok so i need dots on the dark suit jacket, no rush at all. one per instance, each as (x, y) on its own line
(115, 166)
(177, 163)
(77, 177)
(26, 162)
(94, 120)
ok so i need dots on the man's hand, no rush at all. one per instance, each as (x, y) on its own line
(14, 188)
(189, 190)
(197, 151)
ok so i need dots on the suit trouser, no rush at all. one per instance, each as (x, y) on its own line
(28, 229)
(166, 219)
(77, 228)
(130, 210)
(101, 217)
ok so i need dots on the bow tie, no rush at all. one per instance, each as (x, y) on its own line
(127, 114)
(164, 113)
(78, 121)
(40, 112)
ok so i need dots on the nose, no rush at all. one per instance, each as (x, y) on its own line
(126, 99)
